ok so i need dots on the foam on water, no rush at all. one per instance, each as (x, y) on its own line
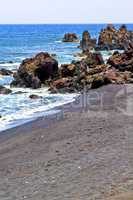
(18, 108)
(9, 66)
(5, 80)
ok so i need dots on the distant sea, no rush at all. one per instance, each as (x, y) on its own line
(18, 42)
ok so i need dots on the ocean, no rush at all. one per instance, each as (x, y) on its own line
(18, 42)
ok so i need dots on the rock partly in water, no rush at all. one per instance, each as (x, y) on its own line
(61, 85)
(35, 71)
(5, 72)
(87, 43)
(4, 90)
(70, 37)
(34, 97)
(110, 38)
(93, 59)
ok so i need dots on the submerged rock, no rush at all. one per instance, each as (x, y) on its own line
(35, 71)
(4, 90)
(34, 96)
(70, 37)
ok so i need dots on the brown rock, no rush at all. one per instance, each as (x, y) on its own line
(60, 84)
(87, 43)
(110, 38)
(70, 37)
(34, 96)
(97, 69)
(34, 71)
(67, 70)
(123, 61)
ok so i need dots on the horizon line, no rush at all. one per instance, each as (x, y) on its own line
(91, 23)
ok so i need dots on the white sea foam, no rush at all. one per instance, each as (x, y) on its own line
(17, 109)
(5, 80)
(10, 66)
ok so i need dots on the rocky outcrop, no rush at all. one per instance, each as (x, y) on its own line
(91, 72)
(4, 90)
(35, 71)
(74, 77)
(70, 37)
(110, 38)
(87, 43)
(122, 61)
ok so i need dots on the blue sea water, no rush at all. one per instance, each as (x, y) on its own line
(18, 42)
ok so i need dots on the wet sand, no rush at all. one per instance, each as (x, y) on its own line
(83, 153)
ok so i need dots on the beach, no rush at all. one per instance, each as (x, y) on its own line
(83, 153)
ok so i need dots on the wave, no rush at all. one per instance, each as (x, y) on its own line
(10, 66)
(6, 80)
(17, 109)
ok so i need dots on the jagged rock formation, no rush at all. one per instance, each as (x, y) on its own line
(35, 71)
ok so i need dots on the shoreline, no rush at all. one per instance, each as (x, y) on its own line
(86, 154)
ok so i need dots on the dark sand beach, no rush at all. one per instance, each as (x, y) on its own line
(84, 153)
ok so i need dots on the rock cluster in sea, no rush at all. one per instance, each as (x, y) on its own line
(90, 72)
(70, 37)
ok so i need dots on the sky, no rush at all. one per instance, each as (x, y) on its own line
(65, 11)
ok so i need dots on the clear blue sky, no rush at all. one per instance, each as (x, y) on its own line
(66, 11)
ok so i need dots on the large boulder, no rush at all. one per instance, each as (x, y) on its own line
(110, 38)
(35, 71)
(70, 37)
(87, 43)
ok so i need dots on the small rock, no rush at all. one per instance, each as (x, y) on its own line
(34, 96)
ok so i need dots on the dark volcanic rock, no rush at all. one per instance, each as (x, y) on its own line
(35, 71)
(34, 96)
(61, 85)
(100, 80)
(5, 72)
(110, 38)
(70, 37)
(67, 70)
(122, 61)
(87, 43)
(93, 59)
(4, 90)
